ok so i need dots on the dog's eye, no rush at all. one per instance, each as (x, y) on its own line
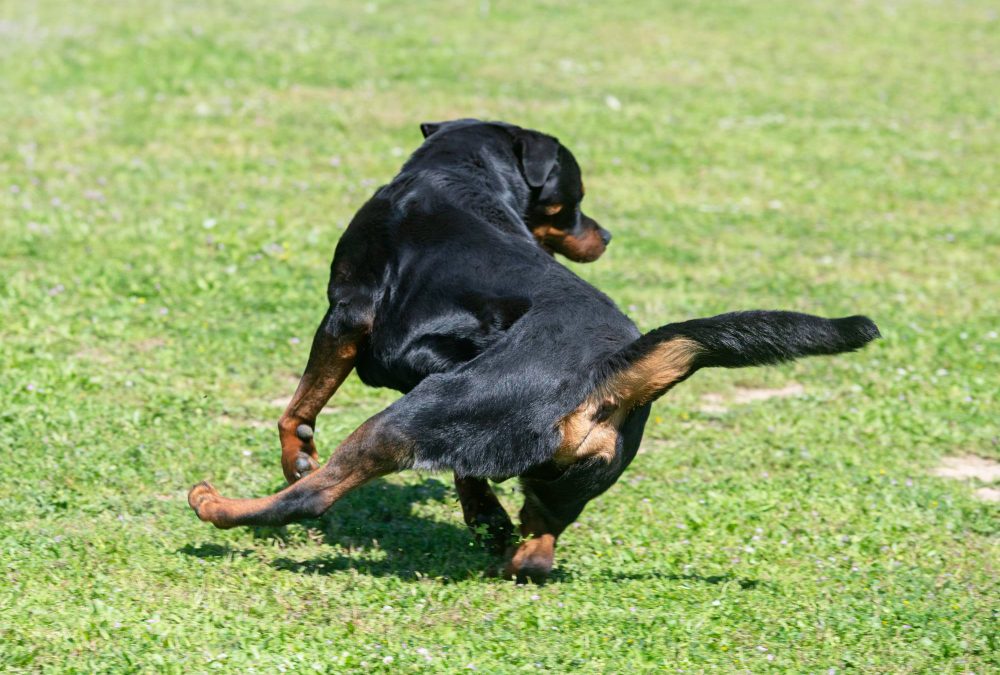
(552, 209)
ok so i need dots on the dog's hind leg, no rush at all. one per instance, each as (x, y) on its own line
(484, 514)
(375, 449)
(543, 518)
(330, 362)
(554, 497)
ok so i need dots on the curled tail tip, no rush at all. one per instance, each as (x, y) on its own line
(857, 330)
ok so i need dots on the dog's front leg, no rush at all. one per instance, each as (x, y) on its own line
(331, 360)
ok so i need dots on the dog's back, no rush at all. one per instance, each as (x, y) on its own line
(494, 338)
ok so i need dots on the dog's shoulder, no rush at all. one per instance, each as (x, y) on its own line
(357, 269)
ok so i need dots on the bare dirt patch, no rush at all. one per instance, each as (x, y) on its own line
(972, 467)
(719, 403)
(969, 466)
(987, 494)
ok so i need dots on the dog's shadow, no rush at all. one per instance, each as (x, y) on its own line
(377, 527)
(382, 535)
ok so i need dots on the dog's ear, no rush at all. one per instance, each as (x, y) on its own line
(538, 154)
(428, 128)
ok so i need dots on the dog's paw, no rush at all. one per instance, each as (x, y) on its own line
(304, 465)
(532, 561)
(201, 498)
(535, 569)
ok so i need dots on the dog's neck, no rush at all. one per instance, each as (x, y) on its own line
(484, 183)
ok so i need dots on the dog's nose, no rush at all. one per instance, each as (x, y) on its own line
(605, 236)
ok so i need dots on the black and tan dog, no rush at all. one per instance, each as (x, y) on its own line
(444, 287)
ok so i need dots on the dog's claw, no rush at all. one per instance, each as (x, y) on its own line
(304, 432)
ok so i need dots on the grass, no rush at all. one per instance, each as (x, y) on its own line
(173, 179)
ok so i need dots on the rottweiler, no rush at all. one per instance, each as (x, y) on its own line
(444, 287)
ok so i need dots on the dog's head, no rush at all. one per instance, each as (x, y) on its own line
(553, 177)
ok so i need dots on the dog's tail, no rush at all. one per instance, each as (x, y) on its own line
(648, 367)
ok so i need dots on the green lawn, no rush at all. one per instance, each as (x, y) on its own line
(174, 177)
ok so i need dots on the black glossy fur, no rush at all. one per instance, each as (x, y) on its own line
(758, 338)
(444, 287)
(472, 318)
(493, 340)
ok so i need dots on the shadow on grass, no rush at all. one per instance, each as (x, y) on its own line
(205, 551)
(745, 584)
(383, 537)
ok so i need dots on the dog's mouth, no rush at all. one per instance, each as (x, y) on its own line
(586, 247)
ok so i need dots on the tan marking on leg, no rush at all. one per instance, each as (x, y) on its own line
(330, 362)
(307, 498)
(534, 558)
(367, 453)
(663, 366)
(583, 435)
(591, 430)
